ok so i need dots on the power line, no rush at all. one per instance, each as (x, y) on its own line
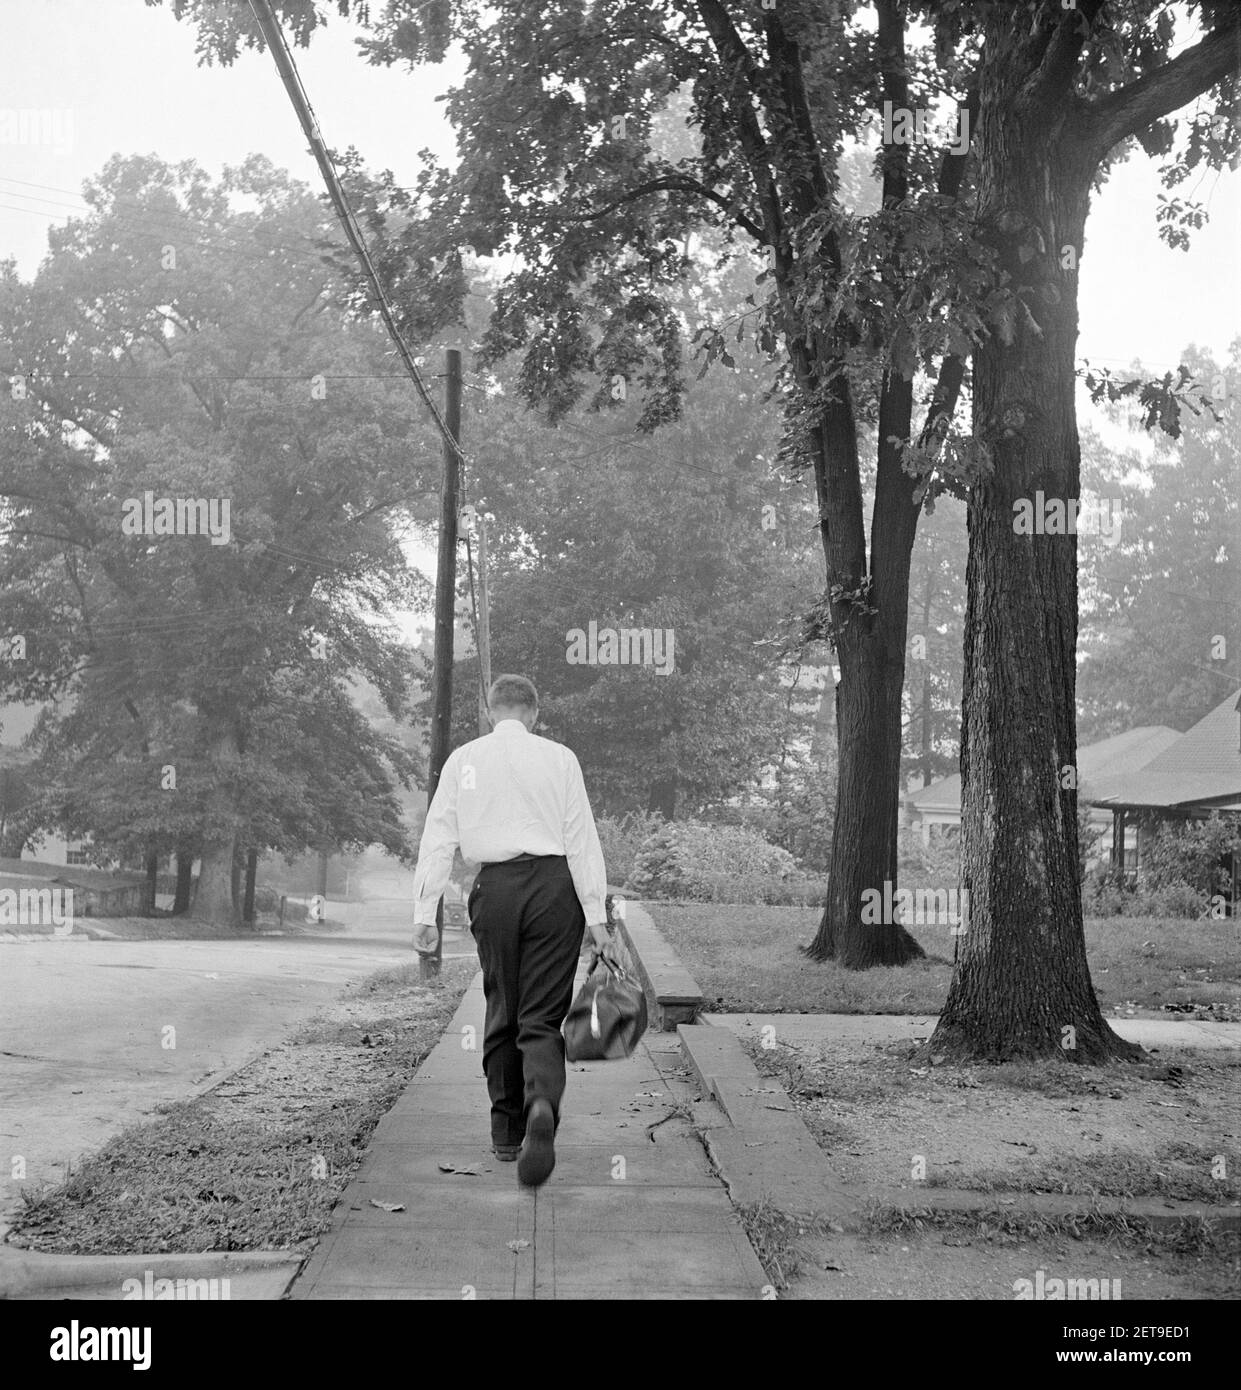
(246, 251)
(283, 58)
(197, 377)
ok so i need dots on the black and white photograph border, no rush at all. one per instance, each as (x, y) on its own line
(620, 674)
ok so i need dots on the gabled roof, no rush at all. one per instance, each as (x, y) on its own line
(1202, 767)
(1099, 766)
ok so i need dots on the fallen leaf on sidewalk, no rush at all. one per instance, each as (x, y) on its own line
(388, 1206)
(467, 1172)
(517, 1245)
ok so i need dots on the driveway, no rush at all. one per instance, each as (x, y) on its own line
(94, 1035)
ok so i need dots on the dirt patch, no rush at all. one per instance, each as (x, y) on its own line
(1170, 1128)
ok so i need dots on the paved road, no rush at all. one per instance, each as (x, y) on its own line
(82, 1023)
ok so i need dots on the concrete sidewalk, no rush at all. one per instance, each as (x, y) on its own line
(631, 1211)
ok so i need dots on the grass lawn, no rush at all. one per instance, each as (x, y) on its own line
(746, 959)
(258, 1162)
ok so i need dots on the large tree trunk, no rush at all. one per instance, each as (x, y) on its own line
(185, 879)
(252, 869)
(152, 873)
(238, 864)
(867, 801)
(1022, 987)
(213, 898)
(927, 777)
(871, 650)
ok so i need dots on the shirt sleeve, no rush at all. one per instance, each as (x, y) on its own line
(582, 847)
(440, 838)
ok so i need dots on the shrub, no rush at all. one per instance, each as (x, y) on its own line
(266, 899)
(1174, 900)
(933, 865)
(678, 859)
(798, 817)
(1189, 855)
(1104, 896)
(621, 838)
(800, 890)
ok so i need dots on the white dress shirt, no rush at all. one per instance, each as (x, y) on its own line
(506, 794)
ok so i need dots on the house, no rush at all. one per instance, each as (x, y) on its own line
(48, 846)
(1100, 767)
(96, 892)
(1198, 773)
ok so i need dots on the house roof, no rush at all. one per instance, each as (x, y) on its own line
(1202, 767)
(1099, 766)
(72, 874)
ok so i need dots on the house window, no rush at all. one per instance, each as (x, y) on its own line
(79, 854)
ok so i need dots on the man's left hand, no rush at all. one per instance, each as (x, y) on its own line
(426, 937)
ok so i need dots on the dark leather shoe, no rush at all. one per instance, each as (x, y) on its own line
(506, 1153)
(538, 1152)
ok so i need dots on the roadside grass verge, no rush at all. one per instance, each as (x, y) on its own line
(1193, 1236)
(746, 960)
(778, 1238)
(258, 1162)
(1180, 1172)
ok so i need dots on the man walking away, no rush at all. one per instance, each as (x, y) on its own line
(517, 804)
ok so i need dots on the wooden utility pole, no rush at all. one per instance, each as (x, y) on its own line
(445, 610)
(484, 628)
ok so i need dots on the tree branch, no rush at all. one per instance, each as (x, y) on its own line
(810, 187)
(891, 50)
(952, 368)
(733, 53)
(1132, 108)
(670, 183)
(1052, 80)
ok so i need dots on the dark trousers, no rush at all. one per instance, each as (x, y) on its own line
(528, 925)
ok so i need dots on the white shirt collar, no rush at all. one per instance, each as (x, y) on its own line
(511, 725)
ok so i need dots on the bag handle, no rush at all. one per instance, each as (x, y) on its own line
(597, 958)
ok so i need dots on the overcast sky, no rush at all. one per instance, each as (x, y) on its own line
(127, 77)
(118, 76)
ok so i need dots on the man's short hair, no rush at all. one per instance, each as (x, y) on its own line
(512, 692)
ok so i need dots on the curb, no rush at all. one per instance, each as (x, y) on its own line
(796, 1178)
(30, 1272)
(765, 1151)
(672, 992)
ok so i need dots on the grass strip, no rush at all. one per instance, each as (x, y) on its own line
(258, 1162)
